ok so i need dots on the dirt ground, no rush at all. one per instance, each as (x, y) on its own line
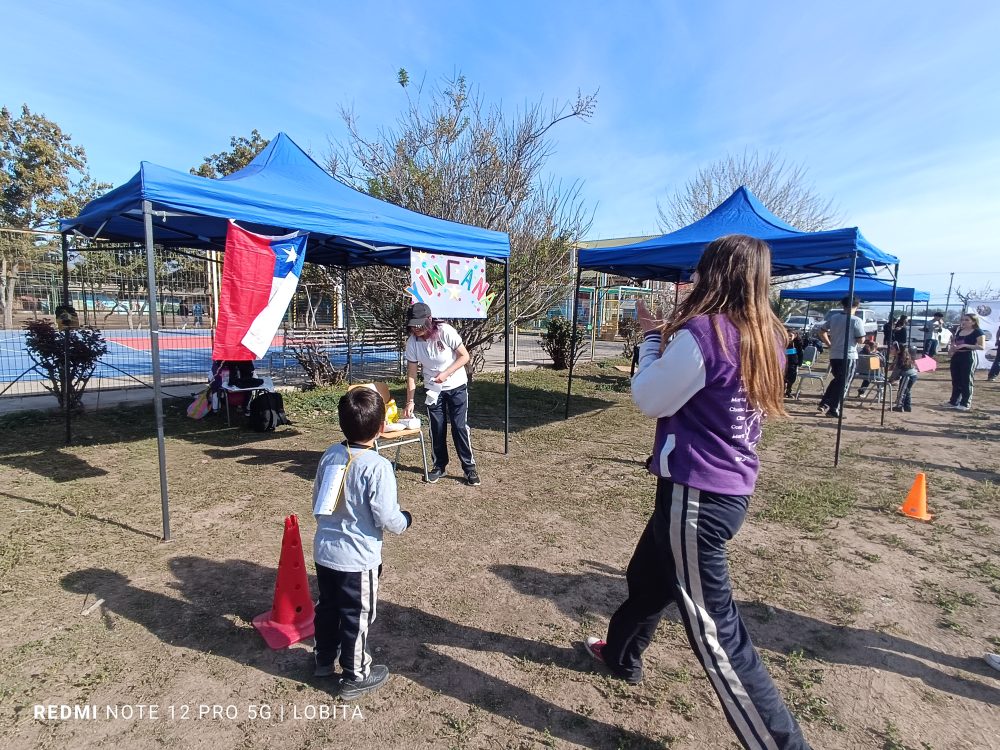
(873, 625)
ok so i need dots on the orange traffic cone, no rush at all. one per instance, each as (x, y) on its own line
(290, 618)
(915, 505)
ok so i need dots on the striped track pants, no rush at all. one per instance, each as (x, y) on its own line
(344, 613)
(681, 557)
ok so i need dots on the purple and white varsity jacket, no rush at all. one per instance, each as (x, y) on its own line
(706, 432)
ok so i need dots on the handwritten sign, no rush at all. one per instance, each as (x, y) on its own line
(454, 286)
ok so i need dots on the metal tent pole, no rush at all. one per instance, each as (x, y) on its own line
(506, 357)
(947, 301)
(66, 336)
(572, 340)
(848, 342)
(347, 324)
(888, 351)
(154, 347)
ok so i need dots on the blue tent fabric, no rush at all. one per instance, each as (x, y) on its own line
(675, 255)
(281, 190)
(866, 289)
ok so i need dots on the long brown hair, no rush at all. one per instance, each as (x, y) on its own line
(734, 278)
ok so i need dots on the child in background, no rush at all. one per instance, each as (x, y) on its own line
(868, 349)
(793, 359)
(354, 500)
(905, 371)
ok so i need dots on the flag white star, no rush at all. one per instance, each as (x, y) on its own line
(290, 252)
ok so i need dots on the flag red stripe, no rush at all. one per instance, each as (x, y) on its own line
(247, 272)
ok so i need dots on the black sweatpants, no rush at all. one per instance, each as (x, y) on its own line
(681, 557)
(842, 372)
(345, 612)
(451, 407)
(963, 368)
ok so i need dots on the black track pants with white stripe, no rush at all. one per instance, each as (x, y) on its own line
(681, 557)
(345, 611)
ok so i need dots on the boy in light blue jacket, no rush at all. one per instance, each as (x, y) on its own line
(354, 500)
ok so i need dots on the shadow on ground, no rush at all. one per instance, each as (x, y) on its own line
(211, 592)
(771, 628)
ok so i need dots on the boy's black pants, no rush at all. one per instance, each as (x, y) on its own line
(345, 611)
(452, 406)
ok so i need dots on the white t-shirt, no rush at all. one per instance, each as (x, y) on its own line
(437, 355)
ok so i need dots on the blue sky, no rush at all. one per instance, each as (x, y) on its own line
(893, 108)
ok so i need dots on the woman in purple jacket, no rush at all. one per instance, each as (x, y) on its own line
(708, 376)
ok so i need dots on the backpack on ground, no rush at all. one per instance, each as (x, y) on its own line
(267, 412)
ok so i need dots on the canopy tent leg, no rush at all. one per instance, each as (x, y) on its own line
(347, 324)
(66, 336)
(848, 342)
(572, 338)
(154, 347)
(947, 301)
(885, 366)
(506, 357)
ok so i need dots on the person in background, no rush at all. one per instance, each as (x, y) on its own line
(793, 359)
(708, 376)
(183, 311)
(905, 371)
(198, 312)
(439, 350)
(968, 340)
(900, 332)
(932, 334)
(868, 349)
(839, 328)
(995, 369)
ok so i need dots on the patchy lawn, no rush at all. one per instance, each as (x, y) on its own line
(873, 625)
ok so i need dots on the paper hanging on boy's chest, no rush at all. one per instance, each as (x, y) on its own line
(330, 491)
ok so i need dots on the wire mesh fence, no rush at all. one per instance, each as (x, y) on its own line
(108, 287)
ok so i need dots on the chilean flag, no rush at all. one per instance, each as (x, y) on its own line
(259, 276)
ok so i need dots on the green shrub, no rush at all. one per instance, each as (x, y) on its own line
(46, 347)
(556, 342)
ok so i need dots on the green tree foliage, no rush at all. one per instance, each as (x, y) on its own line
(43, 177)
(46, 347)
(242, 151)
(780, 186)
(452, 156)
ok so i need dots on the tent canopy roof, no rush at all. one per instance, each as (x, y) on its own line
(281, 190)
(675, 255)
(866, 288)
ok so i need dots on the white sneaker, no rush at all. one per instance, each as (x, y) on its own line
(993, 660)
(962, 408)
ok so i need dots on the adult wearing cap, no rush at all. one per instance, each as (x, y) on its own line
(438, 349)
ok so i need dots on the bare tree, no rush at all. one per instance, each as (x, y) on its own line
(984, 292)
(780, 186)
(452, 156)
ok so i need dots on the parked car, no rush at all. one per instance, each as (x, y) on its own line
(867, 316)
(917, 332)
(801, 322)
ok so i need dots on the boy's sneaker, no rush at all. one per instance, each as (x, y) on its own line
(595, 647)
(351, 689)
(472, 478)
(435, 474)
(962, 407)
(993, 660)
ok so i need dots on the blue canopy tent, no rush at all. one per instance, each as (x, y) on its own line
(674, 256)
(282, 190)
(866, 288)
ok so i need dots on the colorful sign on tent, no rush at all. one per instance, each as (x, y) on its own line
(454, 286)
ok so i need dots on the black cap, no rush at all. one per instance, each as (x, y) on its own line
(418, 315)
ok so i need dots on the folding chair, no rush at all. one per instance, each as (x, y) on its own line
(806, 371)
(869, 368)
(398, 438)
